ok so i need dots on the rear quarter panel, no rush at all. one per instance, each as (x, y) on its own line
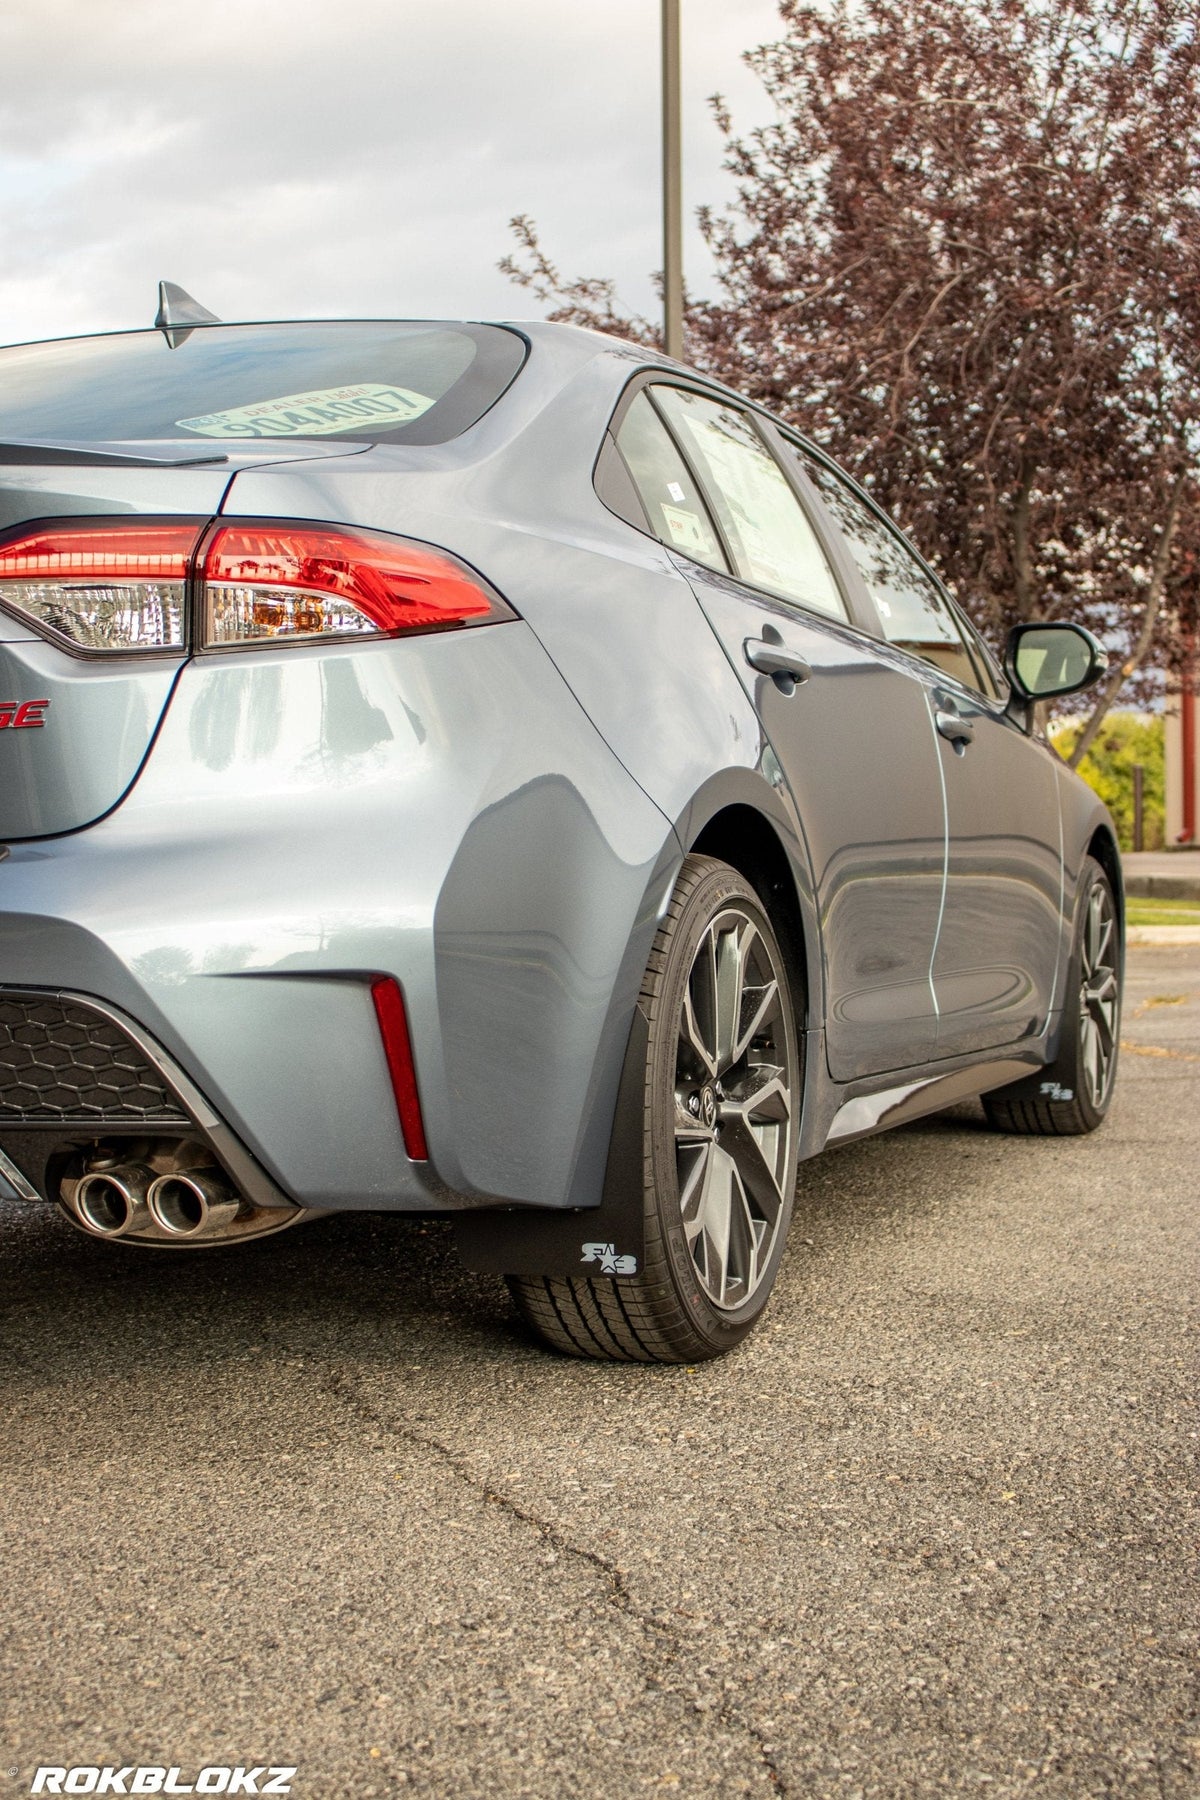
(439, 809)
(515, 498)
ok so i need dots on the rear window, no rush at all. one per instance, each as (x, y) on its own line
(385, 383)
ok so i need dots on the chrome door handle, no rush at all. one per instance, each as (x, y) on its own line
(952, 725)
(784, 666)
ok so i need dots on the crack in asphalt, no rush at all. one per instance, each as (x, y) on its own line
(613, 1577)
(666, 1639)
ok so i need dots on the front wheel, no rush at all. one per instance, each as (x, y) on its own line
(721, 1105)
(1072, 1095)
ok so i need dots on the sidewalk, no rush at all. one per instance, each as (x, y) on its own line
(1163, 874)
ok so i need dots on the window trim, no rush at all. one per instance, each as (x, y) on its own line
(969, 635)
(856, 616)
(978, 645)
(614, 431)
(611, 472)
(862, 614)
(701, 486)
(846, 616)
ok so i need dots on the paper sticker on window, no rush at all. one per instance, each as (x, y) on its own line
(315, 414)
(687, 529)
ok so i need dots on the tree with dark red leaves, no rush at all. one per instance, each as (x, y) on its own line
(966, 258)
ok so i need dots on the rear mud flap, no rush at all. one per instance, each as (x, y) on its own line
(605, 1240)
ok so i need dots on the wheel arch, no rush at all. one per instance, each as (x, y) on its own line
(748, 841)
(1103, 846)
(1088, 830)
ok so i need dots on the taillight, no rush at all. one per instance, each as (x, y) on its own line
(282, 581)
(121, 584)
(116, 584)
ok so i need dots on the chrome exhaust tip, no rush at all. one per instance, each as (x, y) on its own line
(111, 1202)
(162, 1193)
(198, 1203)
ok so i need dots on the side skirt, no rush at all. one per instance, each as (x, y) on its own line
(610, 1239)
(868, 1114)
(838, 1113)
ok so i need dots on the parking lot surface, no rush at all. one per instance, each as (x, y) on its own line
(319, 1502)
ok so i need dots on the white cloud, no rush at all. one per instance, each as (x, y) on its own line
(299, 157)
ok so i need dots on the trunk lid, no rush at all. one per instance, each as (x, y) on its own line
(75, 728)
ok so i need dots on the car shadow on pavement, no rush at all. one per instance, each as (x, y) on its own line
(369, 1285)
(374, 1288)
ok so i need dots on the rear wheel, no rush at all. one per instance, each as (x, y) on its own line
(1072, 1095)
(721, 1105)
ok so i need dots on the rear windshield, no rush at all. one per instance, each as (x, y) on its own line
(405, 384)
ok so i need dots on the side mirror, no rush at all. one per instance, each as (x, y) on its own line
(1044, 662)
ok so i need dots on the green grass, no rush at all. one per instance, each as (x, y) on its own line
(1162, 912)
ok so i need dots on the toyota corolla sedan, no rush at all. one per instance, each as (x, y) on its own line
(492, 771)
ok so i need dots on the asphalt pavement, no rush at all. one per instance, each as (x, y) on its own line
(318, 1502)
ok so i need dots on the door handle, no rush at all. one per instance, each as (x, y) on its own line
(952, 725)
(784, 666)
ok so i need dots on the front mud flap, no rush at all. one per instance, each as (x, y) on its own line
(608, 1239)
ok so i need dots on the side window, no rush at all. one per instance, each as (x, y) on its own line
(912, 612)
(770, 539)
(674, 506)
(990, 678)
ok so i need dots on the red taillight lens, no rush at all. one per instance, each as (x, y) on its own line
(279, 580)
(120, 584)
(116, 584)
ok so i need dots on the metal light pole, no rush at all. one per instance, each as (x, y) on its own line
(672, 138)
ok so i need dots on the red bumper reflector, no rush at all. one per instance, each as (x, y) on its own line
(397, 1047)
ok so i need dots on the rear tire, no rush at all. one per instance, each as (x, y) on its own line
(721, 1102)
(1072, 1095)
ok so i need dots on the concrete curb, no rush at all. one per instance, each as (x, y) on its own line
(1162, 887)
(1163, 934)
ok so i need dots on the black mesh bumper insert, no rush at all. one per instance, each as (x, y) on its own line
(61, 1062)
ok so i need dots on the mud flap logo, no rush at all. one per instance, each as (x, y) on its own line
(610, 1262)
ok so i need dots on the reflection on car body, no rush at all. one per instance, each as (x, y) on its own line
(494, 772)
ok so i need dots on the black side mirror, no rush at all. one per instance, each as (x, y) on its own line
(1044, 662)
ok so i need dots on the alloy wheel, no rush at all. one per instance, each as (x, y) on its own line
(734, 1111)
(1099, 993)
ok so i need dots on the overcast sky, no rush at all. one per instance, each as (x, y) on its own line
(291, 158)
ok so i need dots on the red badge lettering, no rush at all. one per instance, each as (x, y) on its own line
(22, 715)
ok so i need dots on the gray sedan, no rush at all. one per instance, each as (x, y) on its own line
(492, 771)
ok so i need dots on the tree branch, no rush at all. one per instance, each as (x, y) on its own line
(1113, 683)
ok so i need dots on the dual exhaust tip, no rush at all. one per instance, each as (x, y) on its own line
(130, 1198)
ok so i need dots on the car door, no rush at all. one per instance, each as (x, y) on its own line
(851, 730)
(1001, 945)
(998, 948)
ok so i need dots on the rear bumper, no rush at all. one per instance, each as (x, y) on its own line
(438, 810)
(75, 1071)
